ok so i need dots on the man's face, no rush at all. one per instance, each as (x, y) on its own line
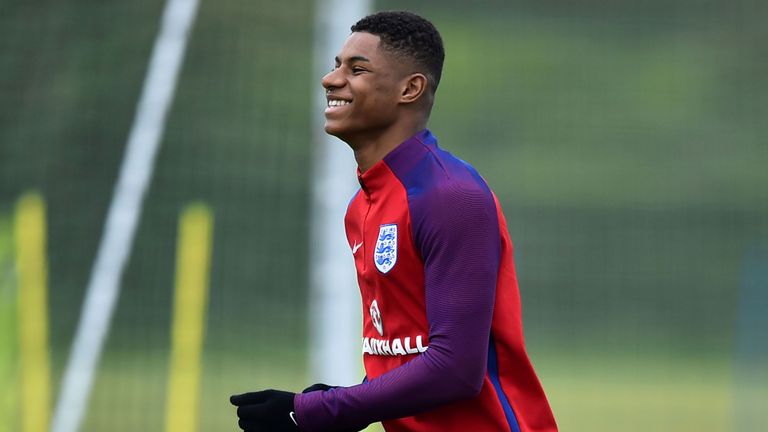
(362, 89)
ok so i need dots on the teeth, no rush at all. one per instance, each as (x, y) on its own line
(336, 102)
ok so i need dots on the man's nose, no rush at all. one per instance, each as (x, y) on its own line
(332, 79)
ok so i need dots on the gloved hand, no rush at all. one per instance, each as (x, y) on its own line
(266, 411)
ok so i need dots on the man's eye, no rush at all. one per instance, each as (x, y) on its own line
(357, 70)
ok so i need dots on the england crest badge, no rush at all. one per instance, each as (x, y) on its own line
(385, 253)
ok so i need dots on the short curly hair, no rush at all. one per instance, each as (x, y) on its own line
(408, 35)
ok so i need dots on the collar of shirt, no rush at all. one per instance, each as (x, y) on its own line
(376, 177)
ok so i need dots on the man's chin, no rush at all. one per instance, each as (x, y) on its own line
(334, 130)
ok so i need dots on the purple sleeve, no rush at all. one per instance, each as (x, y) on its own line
(457, 234)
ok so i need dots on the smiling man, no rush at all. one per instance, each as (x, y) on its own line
(442, 331)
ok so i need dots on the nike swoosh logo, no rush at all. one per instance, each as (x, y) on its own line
(356, 247)
(293, 418)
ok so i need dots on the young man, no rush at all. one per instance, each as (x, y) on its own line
(442, 332)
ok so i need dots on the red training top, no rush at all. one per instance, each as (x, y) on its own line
(442, 331)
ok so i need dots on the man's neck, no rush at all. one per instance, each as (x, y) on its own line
(370, 150)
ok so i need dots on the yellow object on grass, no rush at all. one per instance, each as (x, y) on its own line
(32, 274)
(9, 390)
(188, 328)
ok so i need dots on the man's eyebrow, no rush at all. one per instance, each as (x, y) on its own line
(354, 59)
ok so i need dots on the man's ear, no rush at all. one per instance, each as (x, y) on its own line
(414, 88)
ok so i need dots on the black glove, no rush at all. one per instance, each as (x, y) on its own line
(266, 411)
(318, 387)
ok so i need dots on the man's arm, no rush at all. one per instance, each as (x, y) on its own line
(457, 234)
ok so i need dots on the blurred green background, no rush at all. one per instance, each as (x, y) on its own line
(626, 141)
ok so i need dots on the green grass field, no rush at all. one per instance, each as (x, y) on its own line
(647, 392)
(604, 392)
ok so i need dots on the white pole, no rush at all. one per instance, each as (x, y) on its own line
(334, 300)
(124, 211)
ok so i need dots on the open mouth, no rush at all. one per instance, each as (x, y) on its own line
(332, 103)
